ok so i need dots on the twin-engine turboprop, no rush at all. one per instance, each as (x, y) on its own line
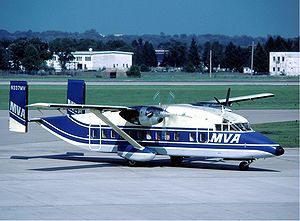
(139, 133)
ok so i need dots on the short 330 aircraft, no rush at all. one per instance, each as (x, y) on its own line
(139, 133)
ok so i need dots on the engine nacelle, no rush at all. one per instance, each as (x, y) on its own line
(144, 115)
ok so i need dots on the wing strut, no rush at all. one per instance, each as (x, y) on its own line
(117, 129)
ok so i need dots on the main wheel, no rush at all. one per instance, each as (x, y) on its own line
(175, 160)
(131, 163)
(244, 166)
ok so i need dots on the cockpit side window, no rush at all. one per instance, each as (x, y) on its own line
(233, 127)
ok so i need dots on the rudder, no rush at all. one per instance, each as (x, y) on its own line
(18, 110)
(76, 95)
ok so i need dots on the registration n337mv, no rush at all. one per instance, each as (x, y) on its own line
(139, 133)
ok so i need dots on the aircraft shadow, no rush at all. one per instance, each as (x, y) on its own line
(193, 163)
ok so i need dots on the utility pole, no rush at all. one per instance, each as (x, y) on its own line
(252, 52)
(210, 52)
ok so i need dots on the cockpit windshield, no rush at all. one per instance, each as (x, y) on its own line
(228, 126)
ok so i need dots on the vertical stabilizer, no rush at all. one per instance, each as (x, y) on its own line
(18, 111)
(76, 95)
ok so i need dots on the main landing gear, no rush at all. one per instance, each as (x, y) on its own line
(176, 160)
(244, 165)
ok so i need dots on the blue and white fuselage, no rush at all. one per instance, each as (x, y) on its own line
(139, 133)
(188, 131)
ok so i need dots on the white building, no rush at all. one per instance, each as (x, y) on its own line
(284, 63)
(95, 60)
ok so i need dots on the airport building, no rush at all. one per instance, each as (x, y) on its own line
(284, 63)
(95, 60)
(160, 55)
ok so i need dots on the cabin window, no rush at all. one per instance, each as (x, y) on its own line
(192, 136)
(218, 127)
(202, 138)
(93, 133)
(157, 136)
(148, 135)
(88, 58)
(104, 134)
(113, 134)
(139, 135)
(166, 135)
(176, 136)
(225, 127)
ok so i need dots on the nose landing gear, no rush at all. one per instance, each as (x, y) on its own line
(244, 165)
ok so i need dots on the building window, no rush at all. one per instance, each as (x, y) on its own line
(88, 58)
(114, 65)
(278, 58)
(274, 58)
(54, 58)
(278, 69)
(126, 65)
(282, 58)
(273, 68)
(78, 58)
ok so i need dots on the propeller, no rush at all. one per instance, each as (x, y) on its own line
(227, 103)
(170, 99)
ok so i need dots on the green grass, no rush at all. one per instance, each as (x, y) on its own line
(285, 133)
(286, 97)
(152, 76)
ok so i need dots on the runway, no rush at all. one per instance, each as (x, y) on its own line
(101, 186)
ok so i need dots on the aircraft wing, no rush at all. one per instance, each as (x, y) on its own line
(97, 110)
(102, 108)
(244, 98)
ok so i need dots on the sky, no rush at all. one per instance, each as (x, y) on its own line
(256, 18)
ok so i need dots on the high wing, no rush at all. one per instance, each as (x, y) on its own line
(244, 98)
(79, 106)
(98, 111)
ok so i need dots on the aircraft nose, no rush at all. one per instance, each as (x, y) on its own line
(279, 151)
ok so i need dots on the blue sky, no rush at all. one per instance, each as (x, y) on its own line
(228, 17)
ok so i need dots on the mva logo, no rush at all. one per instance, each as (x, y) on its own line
(225, 138)
(19, 111)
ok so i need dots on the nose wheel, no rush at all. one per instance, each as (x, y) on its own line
(244, 165)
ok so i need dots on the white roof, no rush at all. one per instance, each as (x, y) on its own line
(101, 52)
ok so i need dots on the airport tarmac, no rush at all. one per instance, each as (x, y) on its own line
(101, 186)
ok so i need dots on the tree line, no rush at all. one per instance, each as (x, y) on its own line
(32, 54)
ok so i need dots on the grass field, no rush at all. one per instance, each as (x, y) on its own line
(286, 97)
(152, 76)
(285, 133)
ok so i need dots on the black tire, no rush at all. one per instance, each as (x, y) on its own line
(131, 163)
(175, 160)
(244, 166)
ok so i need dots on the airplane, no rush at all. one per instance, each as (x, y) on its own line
(209, 130)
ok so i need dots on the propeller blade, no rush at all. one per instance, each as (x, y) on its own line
(227, 98)
(217, 100)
